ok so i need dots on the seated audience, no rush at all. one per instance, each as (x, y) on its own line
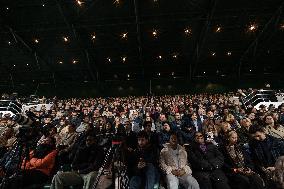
(173, 161)
(207, 162)
(265, 150)
(142, 164)
(278, 174)
(238, 166)
(85, 165)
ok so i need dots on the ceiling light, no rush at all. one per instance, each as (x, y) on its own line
(123, 58)
(14, 65)
(204, 72)
(36, 40)
(155, 33)
(27, 64)
(213, 53)
(117, 2)
(128, 75)
(160, 57)
(124, 35)
(43, 4)
(9, 42)
(7, 8)
(282, 26)
(74, 61)
(65, 39)
(80, 3)
(159, 74)
(250, 70)
(187, 31)
(173, 73)
(229, 53)
(252, 27)
(93, 36)
(108, 59)
(218, 29)
(60, 62)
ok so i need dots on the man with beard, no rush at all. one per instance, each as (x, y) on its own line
(142, 164)
(85, 165)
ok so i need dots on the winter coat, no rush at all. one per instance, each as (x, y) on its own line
(45, 165)
(167, 162)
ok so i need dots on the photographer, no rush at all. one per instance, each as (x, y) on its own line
(37, 168)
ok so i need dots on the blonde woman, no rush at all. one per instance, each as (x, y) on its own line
(278, 174)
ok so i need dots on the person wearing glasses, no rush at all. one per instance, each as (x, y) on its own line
(207, 163)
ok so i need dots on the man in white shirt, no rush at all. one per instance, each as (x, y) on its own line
(173, 161)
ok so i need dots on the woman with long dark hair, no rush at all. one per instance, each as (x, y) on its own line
(237, 165)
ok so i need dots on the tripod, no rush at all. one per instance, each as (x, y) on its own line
(13, 161)
(115, 156)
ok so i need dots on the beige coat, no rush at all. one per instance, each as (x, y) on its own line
(167, 162)
(277, 133)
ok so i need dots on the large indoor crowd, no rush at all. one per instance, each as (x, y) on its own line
(206, 141)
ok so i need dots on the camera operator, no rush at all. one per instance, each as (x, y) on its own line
(37, 168)
(7, 138)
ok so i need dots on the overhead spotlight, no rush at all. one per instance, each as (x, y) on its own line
(9, 42)
(159, 74)
(7, 8)
(43, 4)
(187, 31)
(128, 75)
(14, 65)
(155, 1)
(74, 61)
(218, 29)
(65, 39)
(124, 35)
(229, 53)
(252, 27)
(213, 53)
(60, 62)
(27, 64)
(108, 59)
(282, 26)
(117, 2)
(250, 70)
(123, 58)
(204, 72)
(155, 33)
(79, 2)
(93, 36)
(173, 73)
(36, 40)
(175, 55)
(160, 57)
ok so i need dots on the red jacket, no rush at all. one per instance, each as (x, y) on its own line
(44, 165)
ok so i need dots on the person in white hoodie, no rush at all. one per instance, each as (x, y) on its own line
(173, 162)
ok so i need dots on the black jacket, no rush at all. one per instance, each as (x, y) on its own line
(209, 161)
(148, 154)
(88, 159)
